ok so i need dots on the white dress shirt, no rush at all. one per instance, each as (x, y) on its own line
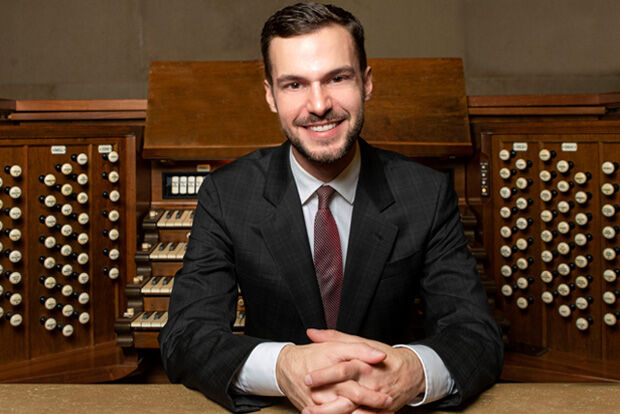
(257, 376)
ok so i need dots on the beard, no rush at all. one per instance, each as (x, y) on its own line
(326, 158)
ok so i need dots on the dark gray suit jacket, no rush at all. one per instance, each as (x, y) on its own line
(406, 241)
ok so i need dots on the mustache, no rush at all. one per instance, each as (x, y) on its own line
(330, 116)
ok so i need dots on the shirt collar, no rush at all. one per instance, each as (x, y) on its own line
(345, 183)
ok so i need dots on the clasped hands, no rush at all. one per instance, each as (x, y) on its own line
(340, 373)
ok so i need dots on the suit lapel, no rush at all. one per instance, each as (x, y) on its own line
(286, 238)
(370, 242)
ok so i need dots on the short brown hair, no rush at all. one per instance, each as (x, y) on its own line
(304, 18)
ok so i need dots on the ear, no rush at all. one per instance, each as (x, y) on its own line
(271, 101)
(367, 83)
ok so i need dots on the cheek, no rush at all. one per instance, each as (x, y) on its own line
(288, 109)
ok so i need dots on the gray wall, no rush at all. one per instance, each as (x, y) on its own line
(88, 49)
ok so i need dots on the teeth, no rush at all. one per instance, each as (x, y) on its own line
(322, 128)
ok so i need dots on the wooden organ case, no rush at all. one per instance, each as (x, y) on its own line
(67, 240)
(548, 198)
(201, 115)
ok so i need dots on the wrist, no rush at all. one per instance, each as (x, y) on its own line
(281, 364)
(414, 370)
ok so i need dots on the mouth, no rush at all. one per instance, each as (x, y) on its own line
(324, 127)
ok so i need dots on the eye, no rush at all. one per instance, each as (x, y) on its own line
(340, 78)
(292, 85)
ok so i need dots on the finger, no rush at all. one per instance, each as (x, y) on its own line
(339, 351)
(337, 406)
(362, 396)
(331, 335)
(362, 410)
(344, 371)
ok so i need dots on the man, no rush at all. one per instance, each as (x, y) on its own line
(326, 231)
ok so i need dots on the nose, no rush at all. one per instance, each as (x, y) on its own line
(319, 101)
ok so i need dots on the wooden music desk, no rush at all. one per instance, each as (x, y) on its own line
(176, 399)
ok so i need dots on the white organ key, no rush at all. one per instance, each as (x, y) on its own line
(191, 185)
(179, 251)
(182, 254)
(159, 320)
(157, 251)
(191, 218)
(199, 181)
(148, 323)
(148, 286)
(185, 220)
(166, 285)
(175, 221)
(159, 287)
(163, 220)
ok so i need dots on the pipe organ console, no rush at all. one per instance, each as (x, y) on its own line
(538, 180)
(67, 223)
(165, 231)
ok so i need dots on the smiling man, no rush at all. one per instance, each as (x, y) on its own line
(330, 241)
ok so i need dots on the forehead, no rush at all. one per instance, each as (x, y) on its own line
(312, 54)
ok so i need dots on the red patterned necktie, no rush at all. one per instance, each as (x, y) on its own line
(327, 257)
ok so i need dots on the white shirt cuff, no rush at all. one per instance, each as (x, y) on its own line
(257, 376)
(439, 382)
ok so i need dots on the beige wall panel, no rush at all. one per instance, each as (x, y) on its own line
(102, 49)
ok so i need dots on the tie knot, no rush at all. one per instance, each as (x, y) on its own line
(324, 192)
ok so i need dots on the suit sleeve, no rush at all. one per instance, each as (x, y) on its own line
(458, 323)
(197, 345)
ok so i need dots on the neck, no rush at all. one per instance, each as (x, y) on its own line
(324, 172)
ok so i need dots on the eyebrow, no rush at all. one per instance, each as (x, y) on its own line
(295, 78)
